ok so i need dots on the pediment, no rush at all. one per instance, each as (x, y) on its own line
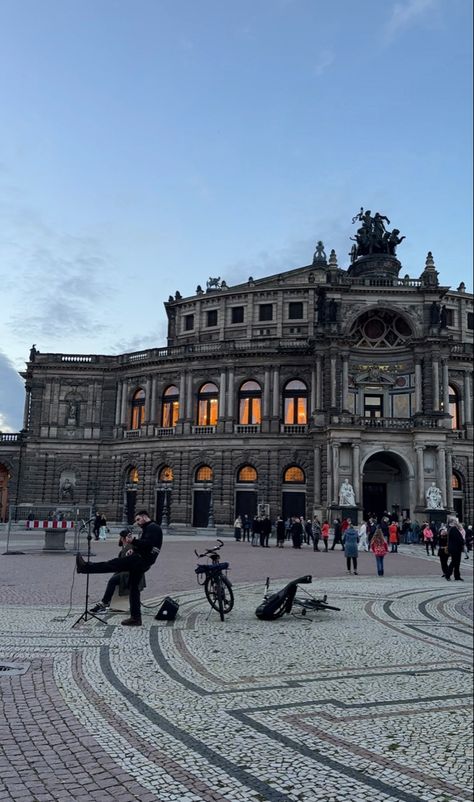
(375, 375)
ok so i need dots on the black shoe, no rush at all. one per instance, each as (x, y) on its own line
(100, 607)
(447, 578)
(458, 579)
(80, 564)
(132, 622)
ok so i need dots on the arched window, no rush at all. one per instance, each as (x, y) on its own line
(247, 474)
(295, 400)
(208, 405)
(294, 475)
(133, 476)
(138, 409)
(454, 407)
(380, 328)
(170, 407)
(456, 481)
(250, 403)
(204, 474)
(166, 474)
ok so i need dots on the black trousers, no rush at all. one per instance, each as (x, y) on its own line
(135, 565)
(354, 562)
(443, 558)
(454, 566)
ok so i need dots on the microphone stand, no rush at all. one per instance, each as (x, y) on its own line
(87, 613)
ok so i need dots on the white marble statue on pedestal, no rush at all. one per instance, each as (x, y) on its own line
(346, 495)
(434, 499)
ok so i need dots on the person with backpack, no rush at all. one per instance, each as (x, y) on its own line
(325, 534)
(378, 546)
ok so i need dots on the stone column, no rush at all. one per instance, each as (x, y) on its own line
(230, 393)
(118, 404)
(123, 413)
(333, 381)
(317, 476)
(420, 475)
(356, 471)
(319, 384)
(449, 476)
(153, 399)
(182, 395)
(266, 394)
(467, 398)
(189, 396)
(26, 407)
(442, 472)
(147, 400)
(276, 393)
(418, 387)
(345, 382)
(335, 471)
(329, 474)
(222, 396)
(445, 387)
(435, 385)
(313, 391)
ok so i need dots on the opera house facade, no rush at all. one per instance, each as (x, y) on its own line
(267, 397)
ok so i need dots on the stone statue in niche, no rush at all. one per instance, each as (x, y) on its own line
(347, 495)
(66, 490)
(72, 413)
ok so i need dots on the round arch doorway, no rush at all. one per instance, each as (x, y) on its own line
(386, 485)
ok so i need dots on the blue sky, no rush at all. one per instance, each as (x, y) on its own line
(146, 145)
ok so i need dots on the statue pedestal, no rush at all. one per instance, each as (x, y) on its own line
(346, 512)
(438, 516)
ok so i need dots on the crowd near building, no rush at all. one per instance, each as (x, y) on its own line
(268, 397)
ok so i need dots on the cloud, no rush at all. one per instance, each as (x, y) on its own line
(404, 15)
(11, 396)
(155, 339)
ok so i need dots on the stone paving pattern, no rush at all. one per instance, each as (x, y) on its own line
(369, 704)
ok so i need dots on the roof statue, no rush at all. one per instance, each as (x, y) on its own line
(372, 236)
(319, 254)
(213, 283)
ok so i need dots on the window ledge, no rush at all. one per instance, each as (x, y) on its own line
(294, 428)
(164, 431)
(132, 434)
(204, 430)
(249, 428)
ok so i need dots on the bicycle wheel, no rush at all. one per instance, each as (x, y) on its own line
(219, 590)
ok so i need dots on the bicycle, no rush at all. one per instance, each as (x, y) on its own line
(278, 604)
(217, 587)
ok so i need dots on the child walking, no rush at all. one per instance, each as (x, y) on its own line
(378, 546)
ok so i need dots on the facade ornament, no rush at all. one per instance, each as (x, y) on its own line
(319, 254)
(333, 259)
(462, 287)
(346, 495)
(434, 499)
(429, 277)
(213, 283)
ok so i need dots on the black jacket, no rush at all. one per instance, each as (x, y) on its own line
(149, 544)
(455, 541)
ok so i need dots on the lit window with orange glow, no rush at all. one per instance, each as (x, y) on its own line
(455, 482)
(204, 474)
(166, 474)
(133, 476)
(170, 407)
(294, 475)
(295, 403)
(208, 405)
(247, 474)
(250, 403)
(138, 409)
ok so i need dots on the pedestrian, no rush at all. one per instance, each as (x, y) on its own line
(246, 527)
(265, 531)
(337, 534)
(455, 548)
(468, 539)
(316, 534)
(99, 522)
(393, 537)
(428, 539)
(280, 532)
(363, 545)
(378, 546)
(325, 534)
(296, 533)
(308, 532)
(255, 530)
(350, 540)
(238, 529)
(443, 551)
(145, 551)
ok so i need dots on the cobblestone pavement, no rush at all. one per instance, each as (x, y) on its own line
(369, 704)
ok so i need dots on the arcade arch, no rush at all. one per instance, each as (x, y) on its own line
(387, 485)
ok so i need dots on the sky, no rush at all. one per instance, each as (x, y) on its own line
(146, 145)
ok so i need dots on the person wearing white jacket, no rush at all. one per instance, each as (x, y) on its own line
(363, 545)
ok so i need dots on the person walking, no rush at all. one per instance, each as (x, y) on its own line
(379, 548)
(393, 537)
(337, 534)
(428, 539)
(363, 545)
(325, 534)
(255, 530)
(246, 527)
(455, 548)
(296, 530)
(280, 532)
(350, 540)
(316, 534)
(145, 551)
(265, 532)
(99, 521)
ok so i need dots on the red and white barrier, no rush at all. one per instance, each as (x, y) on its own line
(50, 524)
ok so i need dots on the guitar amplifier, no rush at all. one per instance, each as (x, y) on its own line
(168, 610)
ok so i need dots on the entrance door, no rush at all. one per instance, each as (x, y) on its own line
(202, 500)
(374, 498)
(245, 503)
(131, 500)
(293, 504)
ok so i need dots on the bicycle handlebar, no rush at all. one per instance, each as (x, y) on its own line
(210, 551)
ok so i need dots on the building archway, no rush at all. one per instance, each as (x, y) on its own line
(386, 485)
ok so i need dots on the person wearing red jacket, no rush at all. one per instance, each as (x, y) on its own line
(378, 546)
(393, 537)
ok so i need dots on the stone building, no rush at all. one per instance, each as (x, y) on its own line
(272, 392)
